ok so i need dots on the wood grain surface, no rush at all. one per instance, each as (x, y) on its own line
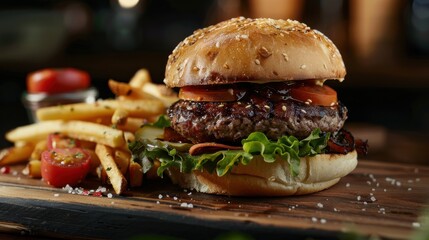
(376, 199)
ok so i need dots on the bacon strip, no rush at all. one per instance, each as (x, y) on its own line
(210, 147)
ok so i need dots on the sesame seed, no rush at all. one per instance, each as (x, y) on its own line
(244, 36)
(409, 189)
(309, 100)
(285, 56)
(416, 224)
(347, 184)
(266, 106)
(263, 52)
(302, 110)
(217, 44)
(281, 34)
(333, 103)
(257, 62)
(226, 66)
(195, 68)
(221, 105)
(248, 106)
(56, 195)
(272, 179)
(284, 108)
(303, 66)
(324, 66)
(358, 198)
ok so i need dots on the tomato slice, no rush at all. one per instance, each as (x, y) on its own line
(65, 166)
(57, 80)
(211, 93)
(314, 94)
(59, 140)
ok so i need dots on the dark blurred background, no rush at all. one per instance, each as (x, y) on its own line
(384, 43)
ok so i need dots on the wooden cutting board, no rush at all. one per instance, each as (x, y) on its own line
(376, 199)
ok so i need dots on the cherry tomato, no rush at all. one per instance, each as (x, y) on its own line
(65, 166)
(211, 94)
(314, 94)
(59, 140)
(57, 80)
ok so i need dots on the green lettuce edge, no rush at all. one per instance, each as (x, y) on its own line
(288, 148)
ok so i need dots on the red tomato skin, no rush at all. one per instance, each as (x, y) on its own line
(58, 140)
(60, 80)
(58, 175)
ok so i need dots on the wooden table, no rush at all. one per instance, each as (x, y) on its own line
(377, 198)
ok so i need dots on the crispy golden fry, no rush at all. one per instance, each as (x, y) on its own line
(120, 116)
(141, 77)
(38, 149)
(135, 174)
(119, 88)
(82, 111)
(122, 159)
(78, 129)
(125, 91)
(118, 181)
(132, 124)
(162, 92)
(152, 174)
(33, 169)
(16, 154)
(129, 137)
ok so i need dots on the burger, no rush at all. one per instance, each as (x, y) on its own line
(254, 116)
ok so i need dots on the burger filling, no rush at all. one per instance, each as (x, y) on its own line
(218, 127)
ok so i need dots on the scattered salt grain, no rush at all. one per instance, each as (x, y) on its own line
(109, 195)
(160, 196)
(175, 198)
(373, 199)
(347, 184)
(56, 195)
(323, 221)
(320, 205)
(409, 189)
(190, 193)
(157, 202)
(358, 198)
(416, 224)
(314, 219)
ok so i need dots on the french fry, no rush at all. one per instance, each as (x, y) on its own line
(119, 88)
(34, 169)
(78, 129)
(152, 173)
(166, 95)
(38, 149)
(126, 91)
(119, 117)
(132, 124)
(135, 174)
(129, 137)
(16, 154)
(82, 111)
(140, 78)
(118, 181)
(122, 160)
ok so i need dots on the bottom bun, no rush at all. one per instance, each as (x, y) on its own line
(260, 178)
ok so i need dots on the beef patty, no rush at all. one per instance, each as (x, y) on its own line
(229, 122)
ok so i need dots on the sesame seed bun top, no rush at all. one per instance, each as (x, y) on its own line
(253, 50)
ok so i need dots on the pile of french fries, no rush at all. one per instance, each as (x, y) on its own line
(104, 128)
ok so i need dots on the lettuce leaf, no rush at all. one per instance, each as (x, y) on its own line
(288, 148)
